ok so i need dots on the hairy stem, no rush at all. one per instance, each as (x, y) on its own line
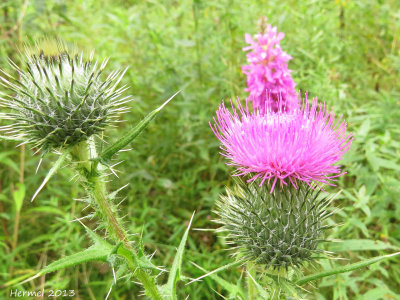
(93, 179)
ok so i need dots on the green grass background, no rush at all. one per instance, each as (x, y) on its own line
(345, 52)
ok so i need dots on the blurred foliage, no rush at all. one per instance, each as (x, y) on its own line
(345, 52)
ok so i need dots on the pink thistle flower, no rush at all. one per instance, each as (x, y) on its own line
(302, 145)
(268, 76)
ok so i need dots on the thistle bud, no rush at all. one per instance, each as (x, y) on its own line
(277, 230)
(61, 100)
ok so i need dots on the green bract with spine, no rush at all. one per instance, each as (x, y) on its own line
(280, 229)
(61, 100)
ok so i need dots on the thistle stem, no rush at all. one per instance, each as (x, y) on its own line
(113, 225)
(251, 288)
(93, 175)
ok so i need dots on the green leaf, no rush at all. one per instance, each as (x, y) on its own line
(16, 280)
(169, 289)
(133, 260)
(8, 161)
(376, 162)
(260, 289)
(290, 288)
(348, 268)
(359, 245)
(51, 172)
(47, 210)
(19, 195)
(100, 251)
(108, 153)
(226, 267)
(233, 290)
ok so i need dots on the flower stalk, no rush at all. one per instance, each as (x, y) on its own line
(92, 175)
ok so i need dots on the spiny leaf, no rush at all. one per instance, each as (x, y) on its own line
(348, 268)
(51, 172)
(90, 254)
(98, 252)
(175, 274)
(108, 153)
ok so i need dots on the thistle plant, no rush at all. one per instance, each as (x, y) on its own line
(275, 216)
(279, 225)
(62, 102)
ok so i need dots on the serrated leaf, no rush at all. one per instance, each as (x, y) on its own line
(19, 195)
(344, 269)
(51, 172)
(108, 153)
(360, 245)
(169, 289)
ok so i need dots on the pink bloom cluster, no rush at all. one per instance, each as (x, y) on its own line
(268, 76)
(301, 145)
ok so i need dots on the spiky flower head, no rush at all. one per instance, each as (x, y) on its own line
(278, 230)
(303, 145)
(268, 76)
(60, 99)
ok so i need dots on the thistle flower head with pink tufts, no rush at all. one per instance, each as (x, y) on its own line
(268, 76)
(304, 144)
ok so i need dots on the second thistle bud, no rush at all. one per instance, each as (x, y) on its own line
(278, 230)
(61, 100)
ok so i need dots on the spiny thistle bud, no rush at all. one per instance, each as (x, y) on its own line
(277, 230)
(61, 100)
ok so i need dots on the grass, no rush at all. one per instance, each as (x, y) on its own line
(345, 52)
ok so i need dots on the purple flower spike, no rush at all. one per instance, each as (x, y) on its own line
(301, 145)
(268, 76)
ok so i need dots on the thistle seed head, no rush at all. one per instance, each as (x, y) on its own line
(277, 230)
(61, 100)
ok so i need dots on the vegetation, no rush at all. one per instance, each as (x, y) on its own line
(345, 52)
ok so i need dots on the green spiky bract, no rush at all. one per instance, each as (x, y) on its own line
(277, 230)
(61, 100)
